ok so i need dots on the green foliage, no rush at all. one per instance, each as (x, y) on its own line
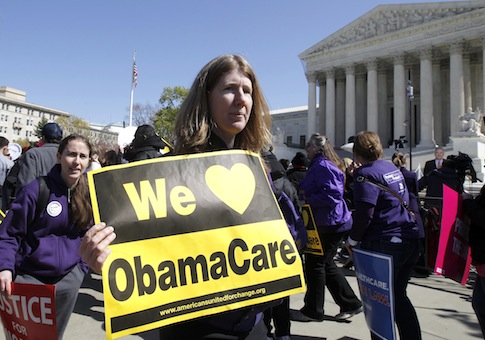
(73, 124)
(38, 129)
(164, 120)
(23, 142)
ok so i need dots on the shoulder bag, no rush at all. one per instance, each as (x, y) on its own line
(361, 179)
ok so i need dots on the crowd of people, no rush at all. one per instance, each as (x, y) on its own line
(356, 202)
(45, 195)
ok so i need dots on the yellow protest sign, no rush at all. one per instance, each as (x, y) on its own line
(314, 245)
(195, 235)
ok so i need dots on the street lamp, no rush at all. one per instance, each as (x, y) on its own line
(410, 93)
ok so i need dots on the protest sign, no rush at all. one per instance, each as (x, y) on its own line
(374, 272)
(195, 235)
(30, 312)
(453, 259)
(314, 245)
(2, 215)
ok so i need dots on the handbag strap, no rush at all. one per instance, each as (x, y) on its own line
(361, 179)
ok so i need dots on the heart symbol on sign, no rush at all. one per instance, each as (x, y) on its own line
(234, 187)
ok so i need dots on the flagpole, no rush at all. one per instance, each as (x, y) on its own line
(133, 84)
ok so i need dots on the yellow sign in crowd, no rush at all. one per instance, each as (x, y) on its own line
(196, 235)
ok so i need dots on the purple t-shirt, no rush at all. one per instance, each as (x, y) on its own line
(390, 216)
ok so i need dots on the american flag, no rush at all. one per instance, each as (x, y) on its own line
(135, 74)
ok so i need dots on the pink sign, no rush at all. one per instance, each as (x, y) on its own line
(30, 312)
(453, 259)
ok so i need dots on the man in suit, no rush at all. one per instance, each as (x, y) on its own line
(436, 163)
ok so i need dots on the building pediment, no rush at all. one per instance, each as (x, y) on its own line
(387, 20)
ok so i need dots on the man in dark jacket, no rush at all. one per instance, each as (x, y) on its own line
(146, 145)
(475, 209)
(299, 168)
(435, 163)
(39, 161)
(436, 178)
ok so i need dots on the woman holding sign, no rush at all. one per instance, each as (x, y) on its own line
(383, 224)
(224, 109)
(323, 189)
(40, 246)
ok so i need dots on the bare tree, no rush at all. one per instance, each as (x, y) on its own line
(144, 114)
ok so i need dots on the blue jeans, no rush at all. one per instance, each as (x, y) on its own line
(404, 256)
(478, 301)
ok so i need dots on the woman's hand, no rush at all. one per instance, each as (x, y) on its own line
(6, 282)
(94, 246)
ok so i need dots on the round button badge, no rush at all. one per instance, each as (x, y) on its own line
(54, 208)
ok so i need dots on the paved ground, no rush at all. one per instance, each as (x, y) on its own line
(443, 308)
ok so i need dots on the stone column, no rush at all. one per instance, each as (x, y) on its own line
(312, 104)
(483, 76)
(372, 102)
(340, 104)
(399, 97)
(322, 106)
(360, 99)
(437, 105)
(467, 82)
(349, 101)
(457, 87)
(426, 85)
(330, 107)
(383, 114)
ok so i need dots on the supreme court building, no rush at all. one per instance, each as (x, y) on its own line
(358, 76)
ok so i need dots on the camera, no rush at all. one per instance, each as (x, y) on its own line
(399, 143)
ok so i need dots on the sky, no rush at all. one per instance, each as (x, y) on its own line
(77, 56)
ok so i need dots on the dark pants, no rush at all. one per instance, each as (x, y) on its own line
(198, 329)
(478, 301)
(322, 271)
(280, 315)
(404, 257)
(67, 290)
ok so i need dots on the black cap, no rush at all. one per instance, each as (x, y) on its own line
(52, 131)
(300, 160)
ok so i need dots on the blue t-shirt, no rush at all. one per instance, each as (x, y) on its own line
(390, 217)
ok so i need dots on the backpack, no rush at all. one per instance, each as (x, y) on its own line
(294, 220)
(9, 186)
(292, 216)
(43, 198)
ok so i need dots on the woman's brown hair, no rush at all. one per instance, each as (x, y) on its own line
(81, 211)
(194, 123)
(321, 142)
(367, 145)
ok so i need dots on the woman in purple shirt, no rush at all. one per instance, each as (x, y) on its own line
(382, 223)
(41, 247)
(323, 188)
